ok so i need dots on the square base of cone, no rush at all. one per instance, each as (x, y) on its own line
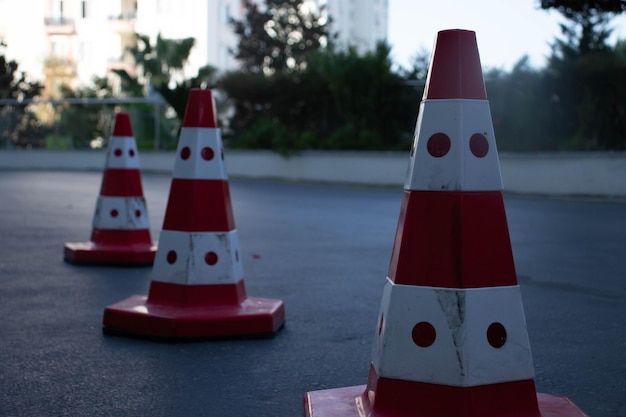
(136, 317)
(342, 402)
(89, 253)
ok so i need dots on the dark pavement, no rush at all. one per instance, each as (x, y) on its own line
(324, 251)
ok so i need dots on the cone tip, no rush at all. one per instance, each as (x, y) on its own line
(122, 126)
(200, 110)
(455, 70)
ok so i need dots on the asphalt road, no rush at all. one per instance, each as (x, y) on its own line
(324, 251)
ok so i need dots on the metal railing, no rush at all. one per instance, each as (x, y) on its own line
(46, 119)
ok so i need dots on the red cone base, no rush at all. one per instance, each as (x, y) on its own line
(137, 316)
(350, 402)
(121, 251)
(134, 316)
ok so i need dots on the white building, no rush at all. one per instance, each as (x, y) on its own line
(71, 41)
(358, 23)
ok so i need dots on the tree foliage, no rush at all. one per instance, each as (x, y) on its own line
(585, 76)
(589, 19)
(80, 124)
(278, 36)
(161, 67)
(342, 100)
(19, 126)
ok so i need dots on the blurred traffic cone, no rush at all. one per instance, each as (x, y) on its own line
(197, 290)
(451, 337)
(121, 228)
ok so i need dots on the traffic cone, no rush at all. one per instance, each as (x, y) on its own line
(197, 290)
(451, 337)
(121, 228)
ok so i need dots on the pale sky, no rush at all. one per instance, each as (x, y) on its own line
(505, 29)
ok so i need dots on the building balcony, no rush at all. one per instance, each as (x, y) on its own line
(59, 67)
(59, 26)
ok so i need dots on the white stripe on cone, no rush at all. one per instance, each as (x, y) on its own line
(121, 213)
(122, 153)
(198, 258)
(459, 169)
(460, 354)
(199, 154)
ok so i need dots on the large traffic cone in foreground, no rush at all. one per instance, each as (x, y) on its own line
(197, 290)
(451, 337)
(121, 228)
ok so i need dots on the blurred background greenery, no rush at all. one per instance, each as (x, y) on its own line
(298, 92)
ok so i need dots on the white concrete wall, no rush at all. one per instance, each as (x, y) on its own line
(601, 174)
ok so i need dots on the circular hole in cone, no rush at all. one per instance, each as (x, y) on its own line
(114, 213)
(438, 145)
(131, 152)
(210, 258)
(496, 335)
(117, 152)
(137, 213)
(171, 257)
(479, 145)
(185, 153)
(424, 334)
(207, 153)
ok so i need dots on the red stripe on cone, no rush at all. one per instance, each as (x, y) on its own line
(196, 295)
(117, 182)
(452, 240)
(122, 125)
(455, 70)
(108, 237)
(419, 399)
(199, 206)
(197, 113)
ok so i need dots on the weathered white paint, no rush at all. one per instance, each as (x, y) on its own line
(459, 169)
(196, 166)
(190, 266)
(121, 213)
(460, 354)
(593, 174)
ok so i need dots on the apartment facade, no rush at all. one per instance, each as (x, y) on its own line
(70, 41)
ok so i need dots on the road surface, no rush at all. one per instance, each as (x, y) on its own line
(324, 251)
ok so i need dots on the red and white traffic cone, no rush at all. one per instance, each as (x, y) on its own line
(121, 228)
(451, 337)
(197, 290)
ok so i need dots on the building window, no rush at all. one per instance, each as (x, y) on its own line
(85, 9)
(57, 9)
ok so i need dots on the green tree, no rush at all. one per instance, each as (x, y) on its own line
(522, 109)
(19, 126)
(374, 106)
(279, 36)
(342, 100)
(80, 124)
(589, 19)
(585, 77)
(161, 69)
